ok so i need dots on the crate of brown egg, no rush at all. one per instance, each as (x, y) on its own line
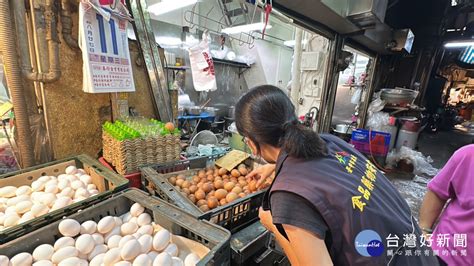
(227, 198)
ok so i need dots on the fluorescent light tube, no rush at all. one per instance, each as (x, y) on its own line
(246, 28)
(459, 44)
(291, 43)
(168, 41)
(166, 6)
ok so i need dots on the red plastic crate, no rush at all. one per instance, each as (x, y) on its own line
(135, 178)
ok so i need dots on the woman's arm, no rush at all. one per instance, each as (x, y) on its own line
(430, 209)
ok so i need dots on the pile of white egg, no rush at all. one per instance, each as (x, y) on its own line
(46, 194)
(129, 240)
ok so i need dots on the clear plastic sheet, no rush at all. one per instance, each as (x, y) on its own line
(421, 163)
(42, 149)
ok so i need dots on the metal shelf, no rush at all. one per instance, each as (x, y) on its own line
(177, 67)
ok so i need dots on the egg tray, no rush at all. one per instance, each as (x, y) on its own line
(107, 182)
(232, 216)
(166, 215)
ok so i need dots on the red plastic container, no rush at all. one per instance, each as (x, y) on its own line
(135, 178)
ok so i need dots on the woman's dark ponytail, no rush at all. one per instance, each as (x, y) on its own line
(266, 115)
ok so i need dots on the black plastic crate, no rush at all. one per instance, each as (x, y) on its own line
(107, 182)
(232, 216)
(178, 222)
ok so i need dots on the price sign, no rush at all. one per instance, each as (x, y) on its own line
(105, 53)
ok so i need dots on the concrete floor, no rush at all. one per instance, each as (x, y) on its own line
(440, 147)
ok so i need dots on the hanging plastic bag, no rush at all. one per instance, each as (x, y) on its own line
(202, 66)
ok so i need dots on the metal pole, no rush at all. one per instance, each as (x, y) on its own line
(296, 68)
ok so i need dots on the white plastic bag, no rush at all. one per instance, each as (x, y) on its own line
(202, 66)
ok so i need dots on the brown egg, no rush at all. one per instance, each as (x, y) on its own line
(201, 202)
(253, 185)
(196, 179)
(226, 180)
(231, 197)
(243, 170)
(242, 195)
(220, 194)
(200, 184)
(247, 191)
(241, 178)
(211, 193)
(235, 173)
(212, 202)
(229, 186)
(225, 177)
(202, 175)
(246, 187)
(223, 202)
(218, 184)
(185, 190)
(200, 194)
(172, 180)
(192, 188)
(222, 171)
(186, 184)
(210, 178)
(179, 182)
(207, 187)
(216, 172)
(204, 208)
(237, 190)
(218, 178)
(202, 171)
(209, 172)
(233, 179)
(181, 177)
(192, 198)
(242, 183)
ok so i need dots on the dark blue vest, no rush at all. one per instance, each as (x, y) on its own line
(351, 195)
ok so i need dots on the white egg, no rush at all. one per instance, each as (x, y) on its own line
(145, 229)
(83, 256)
(64, 241)
(10, 210)
(114, 241)
(43, 252)
(161, 240)
(3, 206)
(142, 260)
(177, 261)
(98, 238)
(51, 188)
(35, 196)
(106, 224)
(39, 209)
(72, 178)
(2, 217)
(23, 190)
(99, 249)
(81, 171)
(7, 191)
(163, 259)
(70, 170)
(4, 260)
(136, 209)
(112, 256)
(15, 200)
(88, 227)
(115, 231)
(152, 255)
(43, 263)
(47, 199)
(86, 179)
(124, 240)
(77, 184)
(62, 177)
(172, 249)
(52, 182)
(26, 217)
(146, 242)
(72, 261)
(128, 228)
(137, 235)
(123, 263)
(133, 220)
(118, 221)
(130, 250)
(97, 260)
(67, 192)
(69, 227)
(64, 253)
(23, 206)
(11, 219)
(37, 185)
(61, 203)
(81, 193)
(63, 183)
(85, 243)
(44, 178)
(21, 259)
(91, 186)
(191, 259)
(144, 219)
(126, 217)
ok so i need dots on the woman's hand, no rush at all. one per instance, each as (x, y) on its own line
(266, 219)
(262, 173)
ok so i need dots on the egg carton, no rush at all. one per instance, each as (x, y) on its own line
(232, 216)
(106, 181)
(177, 221)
